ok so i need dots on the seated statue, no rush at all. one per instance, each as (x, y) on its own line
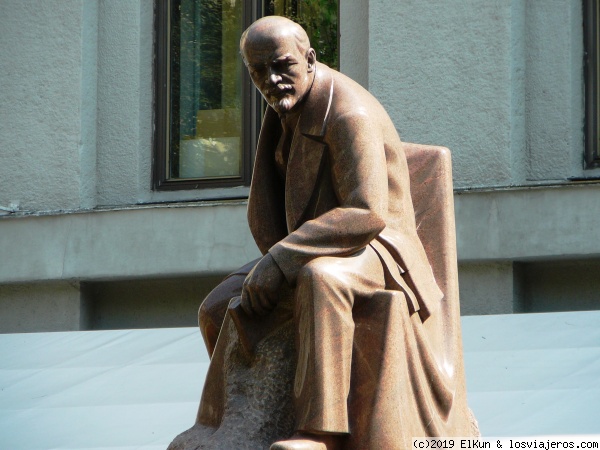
(339, 336)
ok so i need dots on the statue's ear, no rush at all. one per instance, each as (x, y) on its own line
(311, 58)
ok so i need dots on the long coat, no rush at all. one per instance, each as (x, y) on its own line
(347, 186)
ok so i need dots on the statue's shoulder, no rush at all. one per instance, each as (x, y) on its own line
(339, 106)
(348, 98)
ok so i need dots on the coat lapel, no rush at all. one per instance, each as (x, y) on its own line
(306, 153)
(266, 214)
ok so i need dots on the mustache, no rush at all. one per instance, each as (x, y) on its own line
(281, 89)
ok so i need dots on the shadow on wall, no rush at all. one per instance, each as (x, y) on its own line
(523, 287)
(156, 303)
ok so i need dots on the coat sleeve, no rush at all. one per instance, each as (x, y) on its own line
(359, 178)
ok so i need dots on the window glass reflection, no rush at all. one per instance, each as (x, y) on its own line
(206, 89)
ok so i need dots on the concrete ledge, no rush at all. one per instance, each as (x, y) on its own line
(143, 242)
(190, 240)
(529, 224)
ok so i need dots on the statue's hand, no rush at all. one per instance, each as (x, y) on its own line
(260, 292)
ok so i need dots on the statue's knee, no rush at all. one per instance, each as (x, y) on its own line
(324, 285)
(210, 324)
(209, 311)
(320, 273)
(214, 307)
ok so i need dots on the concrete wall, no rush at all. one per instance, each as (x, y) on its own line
(504, 239)
(164, 302)
(55, 306)
(130, 243)
(508, 239)
(77, 106)
(40, 105)
(441, 70)
(535, 286)
(512, 225)
(354, 40)
(138, 267)
(570, 285)
(498, 82)
(76, 134)
(528, 224)
(487, 288)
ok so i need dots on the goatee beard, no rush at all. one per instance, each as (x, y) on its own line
(284, 105)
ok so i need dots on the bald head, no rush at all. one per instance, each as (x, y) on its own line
(273, 28)
(281, 63)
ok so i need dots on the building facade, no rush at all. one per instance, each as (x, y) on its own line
(89, 240)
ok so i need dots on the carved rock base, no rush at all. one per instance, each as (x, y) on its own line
(258, 404)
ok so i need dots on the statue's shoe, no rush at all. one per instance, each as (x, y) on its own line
(306, 442)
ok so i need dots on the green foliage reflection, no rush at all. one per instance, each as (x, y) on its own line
(206, 88)
(320, 20)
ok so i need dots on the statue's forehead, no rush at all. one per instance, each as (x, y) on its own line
(268, 46)
(271, 31)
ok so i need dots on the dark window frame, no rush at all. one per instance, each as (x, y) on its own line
(591, 33)
(251, 114)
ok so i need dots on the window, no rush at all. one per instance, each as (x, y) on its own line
(207, 110)
(592, 91)
(203, 125)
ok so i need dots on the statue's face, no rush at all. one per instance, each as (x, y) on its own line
(279, 69)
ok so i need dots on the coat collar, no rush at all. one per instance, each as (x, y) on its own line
(318, 103)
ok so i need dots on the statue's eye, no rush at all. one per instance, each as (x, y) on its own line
(283, 65)
(256, 70)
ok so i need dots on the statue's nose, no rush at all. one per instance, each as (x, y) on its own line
(274, 78)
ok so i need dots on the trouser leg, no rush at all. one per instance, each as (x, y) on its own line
(213, 308)
(326, 290)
